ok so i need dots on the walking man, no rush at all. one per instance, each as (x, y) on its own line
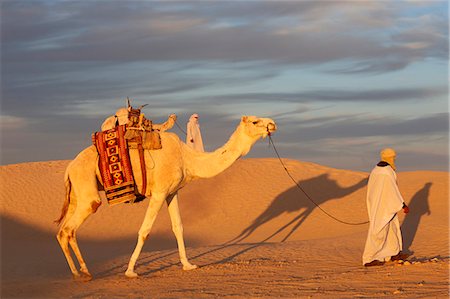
(384, 239)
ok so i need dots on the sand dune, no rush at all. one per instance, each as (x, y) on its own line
(251, 229)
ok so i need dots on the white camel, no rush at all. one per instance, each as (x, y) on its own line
(168, 170)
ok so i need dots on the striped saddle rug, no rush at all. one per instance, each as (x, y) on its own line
(115, 166)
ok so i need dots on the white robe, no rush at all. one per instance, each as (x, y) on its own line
(193, 133)
(383, 202)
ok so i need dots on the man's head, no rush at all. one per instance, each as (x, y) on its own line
(194, 117)
(388, 155)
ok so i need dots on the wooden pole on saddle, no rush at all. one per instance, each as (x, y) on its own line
(140, 149)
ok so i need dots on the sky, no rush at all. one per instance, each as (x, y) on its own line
(342, 79)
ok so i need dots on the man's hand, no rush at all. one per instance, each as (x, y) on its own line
(405, 209)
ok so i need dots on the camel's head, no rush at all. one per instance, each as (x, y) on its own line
(258, 127)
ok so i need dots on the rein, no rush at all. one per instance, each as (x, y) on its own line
(176, 123)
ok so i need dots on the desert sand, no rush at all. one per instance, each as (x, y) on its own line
(250, 230)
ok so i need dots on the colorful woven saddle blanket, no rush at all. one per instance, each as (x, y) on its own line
(115, 166)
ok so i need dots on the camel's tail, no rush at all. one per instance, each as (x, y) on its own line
(68, 186)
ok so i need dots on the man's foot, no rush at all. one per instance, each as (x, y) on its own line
(400, 256)
(374, 263)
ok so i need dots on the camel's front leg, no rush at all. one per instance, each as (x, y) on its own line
(177, 228)
(153, 208)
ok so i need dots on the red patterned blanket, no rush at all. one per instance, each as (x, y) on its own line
(115, 166)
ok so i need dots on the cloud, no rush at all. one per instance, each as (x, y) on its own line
(8, 122)
(87, 31)
(336, 96)
(65, 87)
(355, 127)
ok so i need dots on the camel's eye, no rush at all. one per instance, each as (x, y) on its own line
(255, 122)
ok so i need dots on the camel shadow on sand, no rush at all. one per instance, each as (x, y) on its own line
(321, 189)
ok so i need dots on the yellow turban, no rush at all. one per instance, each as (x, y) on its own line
(388, 155)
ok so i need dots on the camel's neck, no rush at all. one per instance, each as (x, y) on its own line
(205, 165)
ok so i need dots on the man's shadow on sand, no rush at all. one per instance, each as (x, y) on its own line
(321, 189)
(418, 207)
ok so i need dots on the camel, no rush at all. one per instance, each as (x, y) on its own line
(168, 170)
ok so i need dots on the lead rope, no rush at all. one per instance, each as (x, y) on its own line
(306, 194)
(176, 123)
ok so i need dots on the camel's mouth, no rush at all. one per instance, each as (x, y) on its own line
(271, 127)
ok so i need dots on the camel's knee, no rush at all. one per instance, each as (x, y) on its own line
(60, 236)
(63, 239)
(65, 234)
(142, 236)
(143, 233)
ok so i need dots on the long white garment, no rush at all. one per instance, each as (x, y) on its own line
(383, 202)
(193, 134)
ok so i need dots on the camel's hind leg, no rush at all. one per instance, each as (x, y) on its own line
(67, 235)
(63, 241)
(152, 211)
(82, 199)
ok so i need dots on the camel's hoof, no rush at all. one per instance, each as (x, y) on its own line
(131, 274)
(83, 277)
(189, 267)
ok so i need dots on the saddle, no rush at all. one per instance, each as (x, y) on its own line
(113, 147)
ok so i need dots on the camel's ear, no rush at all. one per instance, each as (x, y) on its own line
(128, 103)
(244, 118)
